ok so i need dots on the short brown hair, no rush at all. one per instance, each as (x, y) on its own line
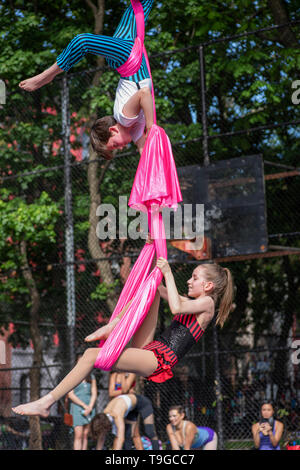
(100, 135)
(100, 424)
(178, 408)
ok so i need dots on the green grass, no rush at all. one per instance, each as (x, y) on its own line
(239, 445)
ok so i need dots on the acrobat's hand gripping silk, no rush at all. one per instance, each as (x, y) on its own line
(155, 186)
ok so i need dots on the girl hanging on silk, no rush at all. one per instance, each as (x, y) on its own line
(210, 285)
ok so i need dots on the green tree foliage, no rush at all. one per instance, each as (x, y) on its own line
(248, 85)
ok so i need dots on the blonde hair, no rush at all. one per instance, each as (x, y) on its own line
(223, 289)
(100, 135)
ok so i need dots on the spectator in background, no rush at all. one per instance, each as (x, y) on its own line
(83, 399)
(145, 410)
(185, 435)
(268, 431)
(112, 419)
(121, 383)
(120, 416)
(10, 437)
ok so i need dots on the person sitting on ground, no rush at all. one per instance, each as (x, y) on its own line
(268, 431)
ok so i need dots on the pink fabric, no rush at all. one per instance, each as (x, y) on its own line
(133, 63)
(139, 18)
(143, 290)
(152, 89)
(156, 180)
(155, 186)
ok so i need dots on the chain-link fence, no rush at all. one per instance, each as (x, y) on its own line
(59, 281)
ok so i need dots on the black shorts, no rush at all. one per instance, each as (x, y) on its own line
(143, 407)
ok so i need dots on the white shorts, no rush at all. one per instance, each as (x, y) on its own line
(125, 90)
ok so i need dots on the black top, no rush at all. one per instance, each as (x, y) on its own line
(182, 334)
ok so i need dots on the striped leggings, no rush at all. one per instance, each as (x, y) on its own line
(115, 49)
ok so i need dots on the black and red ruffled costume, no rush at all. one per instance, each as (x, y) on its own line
(173, 344)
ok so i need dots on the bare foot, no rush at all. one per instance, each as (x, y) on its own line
(36, 82)
(39, 407)
(100, 334)
(104, 332)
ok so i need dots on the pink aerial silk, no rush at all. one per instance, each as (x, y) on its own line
(133, 63)
(155, 186)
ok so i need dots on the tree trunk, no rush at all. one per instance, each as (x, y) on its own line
(93, 242)
(35, 441)
(285, 35)
(98, 13)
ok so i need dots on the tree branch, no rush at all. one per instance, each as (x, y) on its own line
(92, 6)
(284, 35)
(103, 171)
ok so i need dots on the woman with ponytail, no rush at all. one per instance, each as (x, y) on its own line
(209, 287)
(210, 284)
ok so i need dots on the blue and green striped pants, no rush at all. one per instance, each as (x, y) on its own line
(115, 49)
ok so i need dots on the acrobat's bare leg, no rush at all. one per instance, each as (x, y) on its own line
(145, 333)
(33, 83)
(42, 406)
(137, 361)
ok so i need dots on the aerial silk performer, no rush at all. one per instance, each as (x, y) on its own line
(155, 186)
(133, 108)
(135, 317)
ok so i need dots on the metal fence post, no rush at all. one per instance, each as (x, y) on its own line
(203, 368)
(69, 228)
(2, 92)
(218, 389)
(203, 106)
